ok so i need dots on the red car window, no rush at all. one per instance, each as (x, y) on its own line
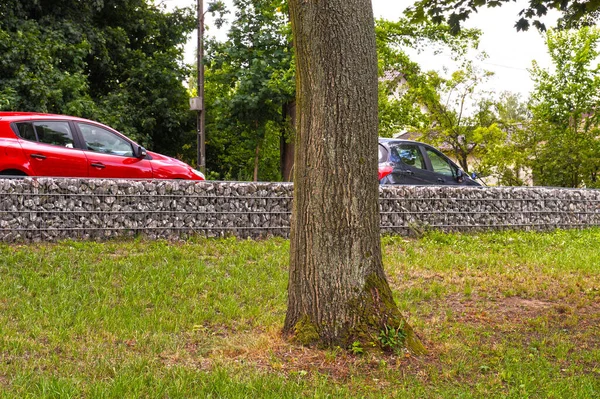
(101, 140)
(27, 131)
(55, 133)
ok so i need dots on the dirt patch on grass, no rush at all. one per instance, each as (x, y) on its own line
(497, 310)
(481, 324)
(516, 304)
(279, 356)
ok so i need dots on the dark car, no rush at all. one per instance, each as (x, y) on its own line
(412, 162)
(33, 144)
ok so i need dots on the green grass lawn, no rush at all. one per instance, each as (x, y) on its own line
(503, 315)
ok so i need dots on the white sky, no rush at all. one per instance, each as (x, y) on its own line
(510, 53)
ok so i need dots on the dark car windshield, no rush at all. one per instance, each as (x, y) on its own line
(408, 154)
(440, 163)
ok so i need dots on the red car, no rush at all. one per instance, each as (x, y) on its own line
(33, 144)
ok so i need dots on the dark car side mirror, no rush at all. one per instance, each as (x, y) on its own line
(140, 152)
(460, 176)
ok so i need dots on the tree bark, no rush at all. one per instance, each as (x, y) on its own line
(256, 159)
(286, 142)
(337, 292)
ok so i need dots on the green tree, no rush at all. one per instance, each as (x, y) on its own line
(337, 291)
(576, 13)
(565, 103)
(116, 61)
(462, 115)
(249, 83)
(506, 159)
(405, 90)
(232, 147)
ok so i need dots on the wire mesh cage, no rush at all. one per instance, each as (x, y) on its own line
(45, 209)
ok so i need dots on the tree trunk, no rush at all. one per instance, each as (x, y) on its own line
(286, 143)
(256, 159)
(464, 162)
(337, 292)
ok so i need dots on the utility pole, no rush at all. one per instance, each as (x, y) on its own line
(197, 103)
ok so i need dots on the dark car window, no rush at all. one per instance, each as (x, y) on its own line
(382, 153)
(55, 133)
(408, 154)
(101, 140)
(440, 163)
(27, 131)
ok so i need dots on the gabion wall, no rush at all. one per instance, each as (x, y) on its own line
(43, 209)
(406, 209)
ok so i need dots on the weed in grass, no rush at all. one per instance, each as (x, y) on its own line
(468, 289)
(437, 289)
(357, 348)
(393, 338)
(331, 355)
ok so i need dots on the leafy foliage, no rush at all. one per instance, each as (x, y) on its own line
(392, 338)
(405, 91)
(357, 348)
(506, 159)
(463, 117)
(451, 113)
(455, 12)
(566, 125)
(116, 61)
(249, 81)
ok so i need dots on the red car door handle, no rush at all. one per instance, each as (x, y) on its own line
(98, 165)
(38, 156)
